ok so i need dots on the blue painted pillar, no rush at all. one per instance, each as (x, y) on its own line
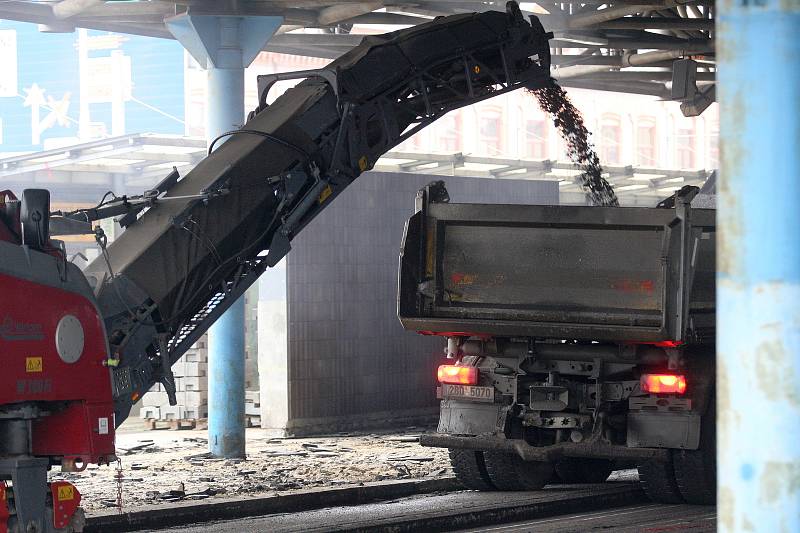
(758, 266)
(225, 45)
(226, 361)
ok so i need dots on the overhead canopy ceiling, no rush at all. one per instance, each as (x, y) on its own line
(132, 163)
(627, 46)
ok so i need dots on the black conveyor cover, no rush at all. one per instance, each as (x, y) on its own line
(185, 260)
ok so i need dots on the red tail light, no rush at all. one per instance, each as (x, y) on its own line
(458, 375)
(663, 383)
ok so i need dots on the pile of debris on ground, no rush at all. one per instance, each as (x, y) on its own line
(167, 466)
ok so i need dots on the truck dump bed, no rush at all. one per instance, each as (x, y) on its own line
(566, 272)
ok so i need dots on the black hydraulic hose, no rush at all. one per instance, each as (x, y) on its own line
(271, 137)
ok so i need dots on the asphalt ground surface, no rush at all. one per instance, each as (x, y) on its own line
(611, 507)
(643, 518)
(630, 519)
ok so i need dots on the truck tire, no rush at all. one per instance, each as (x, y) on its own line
(580, 470)
(470, 470)
(509, 472)
(657, 479)
(696, 470)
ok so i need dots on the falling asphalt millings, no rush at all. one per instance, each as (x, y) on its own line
(569, 122)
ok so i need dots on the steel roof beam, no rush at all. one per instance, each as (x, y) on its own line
(148, 30)
(341, 12)
(698, 46)
(26, 12)
(316, 39)
(640, 75)
(69, 8)
(171, 140)
(592, 18)
(640, 87)
(649, 23)
(327, 52)
(388, 18)
(651, 4)
(160, 157)
(587, 28)
(123, 10)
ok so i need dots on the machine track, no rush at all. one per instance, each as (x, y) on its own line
(470, 469)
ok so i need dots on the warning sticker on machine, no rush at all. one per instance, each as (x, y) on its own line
(66, 493)
(33, 364)
(102, 426)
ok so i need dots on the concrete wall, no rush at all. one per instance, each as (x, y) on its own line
(348, 362)
(273, 362)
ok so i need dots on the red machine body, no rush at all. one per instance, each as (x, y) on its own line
(66, 499)
(4, 510)
(56, 403)
(83, 428)
(54, 350)
(45, 310)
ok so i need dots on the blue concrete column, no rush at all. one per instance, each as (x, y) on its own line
(225, 45)
(226, 357)
(758, 266)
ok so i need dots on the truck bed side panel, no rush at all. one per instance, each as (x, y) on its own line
(555, 271)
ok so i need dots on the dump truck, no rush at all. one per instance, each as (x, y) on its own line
(580, 339)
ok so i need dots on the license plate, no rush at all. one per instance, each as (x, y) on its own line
(467, 392)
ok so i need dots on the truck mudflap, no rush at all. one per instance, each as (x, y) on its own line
(471, 418)
(679, 430)
(550, 453)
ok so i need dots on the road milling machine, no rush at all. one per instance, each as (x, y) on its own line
(79, 348)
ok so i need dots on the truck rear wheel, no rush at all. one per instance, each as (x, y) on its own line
(470, 470)
(696, 470)
(583, 470)
(509, 472)
(658, 481)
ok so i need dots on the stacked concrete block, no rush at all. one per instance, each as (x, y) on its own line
(191, 381)
(251, 338)
(150, 412)
(191, 385)
(252, 408)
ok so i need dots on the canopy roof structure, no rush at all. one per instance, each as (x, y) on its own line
(629, 46)
(130, 164)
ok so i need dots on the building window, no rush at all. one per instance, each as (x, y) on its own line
(491, 132)
(713, 146)
(646, 143)
(684, 144)
(610, 140)
(536, 139)
(450, 132)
